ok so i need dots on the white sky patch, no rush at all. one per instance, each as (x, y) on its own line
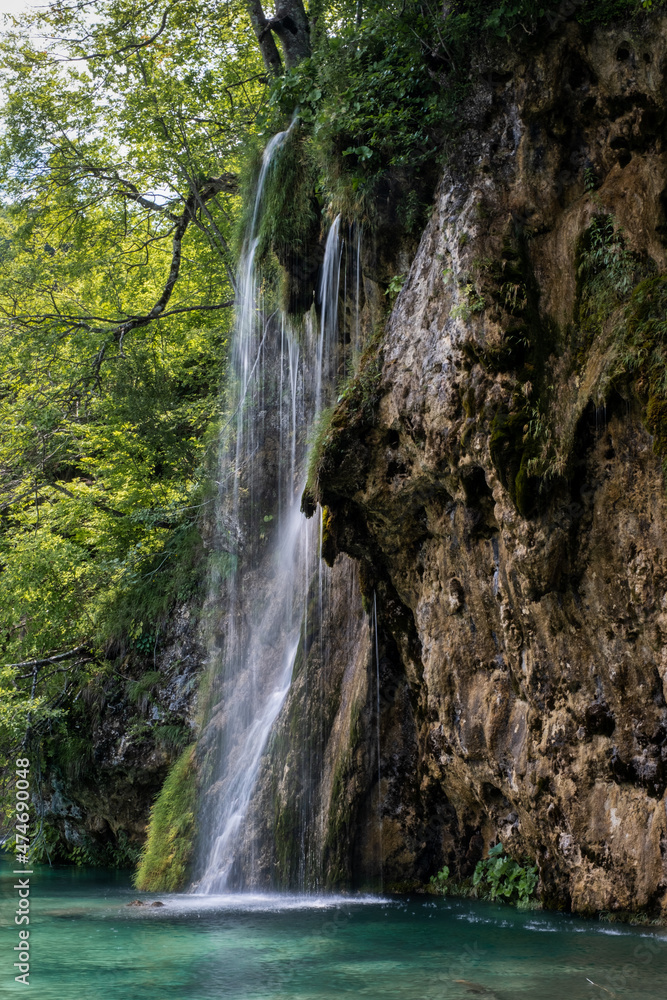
(15, 7)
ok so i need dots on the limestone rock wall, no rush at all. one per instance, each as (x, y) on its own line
(521, 608)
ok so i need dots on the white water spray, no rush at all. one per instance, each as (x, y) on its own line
(282, 381)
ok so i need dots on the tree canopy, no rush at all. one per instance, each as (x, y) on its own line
(123, 132)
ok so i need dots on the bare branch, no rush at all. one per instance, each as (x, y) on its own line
(69, 655)
(187, 309)
(133, 47)
(100, 505)
(58, 670)
(197, 199)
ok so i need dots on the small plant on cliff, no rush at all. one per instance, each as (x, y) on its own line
(440, 881)
(395, 285)
(500, 877)
(644, 355)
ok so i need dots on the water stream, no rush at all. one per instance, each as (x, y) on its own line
(282, 378)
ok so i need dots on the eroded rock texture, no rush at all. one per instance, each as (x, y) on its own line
(492, 474)
(99, 802)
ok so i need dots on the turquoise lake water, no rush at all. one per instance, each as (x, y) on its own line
(87, 944)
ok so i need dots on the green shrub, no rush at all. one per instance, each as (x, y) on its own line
(49, 847)
(502, 878)
(644, 354)
(495, 877)
(440, 881)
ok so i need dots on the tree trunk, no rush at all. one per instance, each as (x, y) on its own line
(267, 45)
(290, 24)
(292, 28)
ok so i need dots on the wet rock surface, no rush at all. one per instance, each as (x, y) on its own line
(521, 615)
(100, 804)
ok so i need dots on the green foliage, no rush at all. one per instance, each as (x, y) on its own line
(122, 854)
(48, 848)
(316, 446)
(139, 691)
(395, 285)
(500, 877)
(644, 354)
(470, 302)
(166, 856)
(173, 737)
(440, 881)
(112, 346)
(511, 451)
(290, 219)
(45, 845)
(606, 271)
(366, 97)
(74, 755)
(360, 392)
(371, 118)
(495, 877)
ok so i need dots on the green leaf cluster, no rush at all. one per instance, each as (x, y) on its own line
(496, 877)
(440, 881)
(500, 877)
(366, 98)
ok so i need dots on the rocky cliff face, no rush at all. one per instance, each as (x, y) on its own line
(492, 472)
(139, 715)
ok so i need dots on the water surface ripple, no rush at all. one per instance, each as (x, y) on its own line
(87, 943)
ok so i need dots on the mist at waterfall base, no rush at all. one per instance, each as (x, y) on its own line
(86, 942)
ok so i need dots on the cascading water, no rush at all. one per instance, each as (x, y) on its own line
(377, 729)
(282, 381)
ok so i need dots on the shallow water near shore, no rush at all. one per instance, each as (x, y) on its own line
(85, 943)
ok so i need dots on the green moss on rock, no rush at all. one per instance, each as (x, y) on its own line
(511, 451)
(166, 856)
(645, 354)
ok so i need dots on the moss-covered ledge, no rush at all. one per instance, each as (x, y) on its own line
(165, 859)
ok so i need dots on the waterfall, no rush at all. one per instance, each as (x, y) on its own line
(282, 378)
(329, 286)
(377, 730)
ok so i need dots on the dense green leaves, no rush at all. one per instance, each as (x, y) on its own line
(122, 130)
(503, 878)
(367, 98)
(495, 877)
(164, 862)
